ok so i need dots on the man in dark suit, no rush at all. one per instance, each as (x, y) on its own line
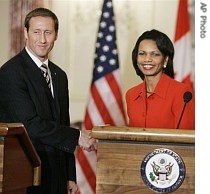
(26, 97)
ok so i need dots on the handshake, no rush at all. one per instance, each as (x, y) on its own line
(86, 142)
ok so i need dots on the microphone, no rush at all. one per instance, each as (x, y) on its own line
(187, 97)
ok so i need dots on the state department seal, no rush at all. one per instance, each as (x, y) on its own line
(163, 170)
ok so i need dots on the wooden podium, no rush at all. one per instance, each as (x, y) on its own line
(20, 165)
(137, 160)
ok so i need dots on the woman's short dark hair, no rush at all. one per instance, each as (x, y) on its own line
(165, 46)
(41, 12)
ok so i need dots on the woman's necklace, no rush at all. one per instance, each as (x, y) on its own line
(148, 92)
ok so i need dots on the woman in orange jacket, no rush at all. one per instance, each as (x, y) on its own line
(159, 101)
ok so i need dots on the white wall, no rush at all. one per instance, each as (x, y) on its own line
(74, 49)
(4, 37)
(76, 44)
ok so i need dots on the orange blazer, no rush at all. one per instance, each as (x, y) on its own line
(163, 108)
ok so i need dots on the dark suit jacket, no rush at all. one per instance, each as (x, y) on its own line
(25, 98)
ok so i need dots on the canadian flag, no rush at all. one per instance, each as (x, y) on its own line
(183, 45)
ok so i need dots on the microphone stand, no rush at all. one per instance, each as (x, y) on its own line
(187, 97)
(181, 115)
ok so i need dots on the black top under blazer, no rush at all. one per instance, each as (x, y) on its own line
(26, 98)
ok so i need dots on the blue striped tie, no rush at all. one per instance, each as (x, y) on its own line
(45, 73)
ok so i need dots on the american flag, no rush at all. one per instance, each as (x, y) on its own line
(183, 45)
(105, 104)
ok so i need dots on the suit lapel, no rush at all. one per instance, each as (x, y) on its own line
(39, 83)
(34, 73)
(55, 88)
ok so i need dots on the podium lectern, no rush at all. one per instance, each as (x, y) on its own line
(20, 165)
(144, 160)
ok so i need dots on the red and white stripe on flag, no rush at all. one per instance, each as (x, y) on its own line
(103, 108)
(105, 104)
(182, 44)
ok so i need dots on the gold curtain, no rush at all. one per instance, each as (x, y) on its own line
(18, 11)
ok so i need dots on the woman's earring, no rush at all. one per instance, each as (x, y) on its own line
(164, 66)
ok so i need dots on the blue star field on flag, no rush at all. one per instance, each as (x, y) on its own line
(106, 55)
(105, 105)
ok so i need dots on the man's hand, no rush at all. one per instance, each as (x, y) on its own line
(86, 142)
(72, 187)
